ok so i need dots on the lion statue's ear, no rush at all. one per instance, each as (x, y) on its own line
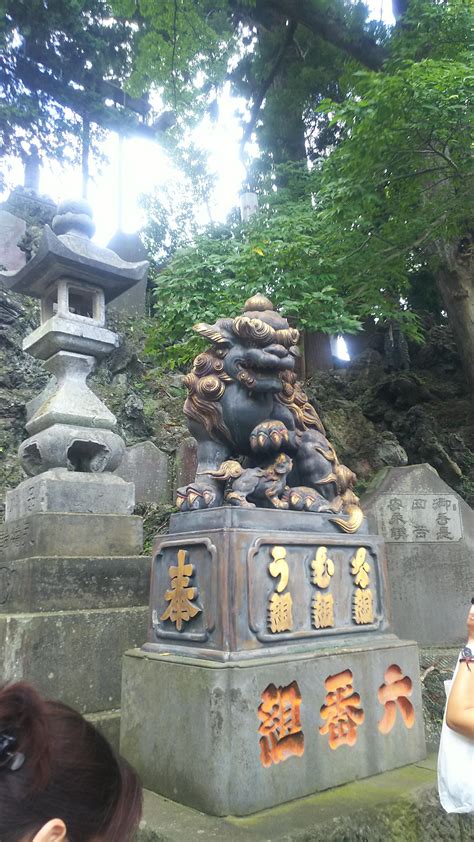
(211, 332)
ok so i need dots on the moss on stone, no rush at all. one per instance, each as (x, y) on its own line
(397, 806)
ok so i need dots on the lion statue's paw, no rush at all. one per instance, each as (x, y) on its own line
(303, 498)
(197, 496)
(269, 437)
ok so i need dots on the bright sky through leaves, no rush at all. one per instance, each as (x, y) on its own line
(145, 165)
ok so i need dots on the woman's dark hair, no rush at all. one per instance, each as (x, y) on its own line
(55, 764)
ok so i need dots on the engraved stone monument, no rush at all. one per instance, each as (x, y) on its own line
(429, 535)
(73, 580)
(270, 671)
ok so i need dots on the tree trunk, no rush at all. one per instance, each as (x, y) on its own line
(455, 280)
(327, 21)
(317, 352)
(399, 8)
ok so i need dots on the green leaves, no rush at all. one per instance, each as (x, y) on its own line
(54, 57)
(364, 231)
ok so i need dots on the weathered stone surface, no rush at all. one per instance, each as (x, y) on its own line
(185, 463)
(72, 402)
(419, 430)
(53, 534)
(356, 437)
(430, 549)
(82, 449)
(397, 806)
(437, 666)
(72, 655)
(408, 518)
(108, 723)
(147, 467)
(216, 726)
(12, 229)
(60, 490)
(388, 451)
(63, 334)
(74, 255)
(65, 584)
(130, 247)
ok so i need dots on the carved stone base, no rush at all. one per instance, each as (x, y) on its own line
(235, 738)
(60, 490)
(78, 449)
(232, 583)
(59, 534)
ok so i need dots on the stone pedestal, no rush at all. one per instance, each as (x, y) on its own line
(235, 738)
(269, 671)
(73, 588)
(252, 571)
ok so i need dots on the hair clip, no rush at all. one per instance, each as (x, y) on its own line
(9, 758)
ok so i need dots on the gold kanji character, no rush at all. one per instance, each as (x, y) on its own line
(360, 568)
(323, 568)
(323, 611)
(280, 612)
(180, 596)
(394, 693)
(280, 724)
(341, 710)
(363, 608)
(279, 567)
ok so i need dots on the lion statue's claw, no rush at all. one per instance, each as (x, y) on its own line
(269, 437)
(196, 496)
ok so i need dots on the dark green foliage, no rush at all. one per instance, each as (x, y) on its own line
(54, 57)
(366, 231)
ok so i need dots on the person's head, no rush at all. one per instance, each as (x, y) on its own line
(59, 777)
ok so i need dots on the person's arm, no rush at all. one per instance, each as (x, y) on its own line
(460, 708)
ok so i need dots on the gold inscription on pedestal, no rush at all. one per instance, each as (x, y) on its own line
(280, 604)
(342, 712)
(280, 724)
(363, 600)
(394, 694)
(180, 597)
(323, 568)
(323, 611)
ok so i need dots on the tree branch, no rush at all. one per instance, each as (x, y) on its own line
(84, 102)
(327, 24)
(173, 55)
(260, 96)
(392, 253)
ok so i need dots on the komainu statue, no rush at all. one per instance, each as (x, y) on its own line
(246, 409)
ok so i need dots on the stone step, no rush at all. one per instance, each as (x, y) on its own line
(397, 806)
(74, 656)
(108, 723)
(78, 534)
(63, 583)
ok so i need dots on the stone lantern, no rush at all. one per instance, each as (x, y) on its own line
(70, 428)
(72, 577)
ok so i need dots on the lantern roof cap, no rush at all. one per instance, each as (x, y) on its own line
(66, 251)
